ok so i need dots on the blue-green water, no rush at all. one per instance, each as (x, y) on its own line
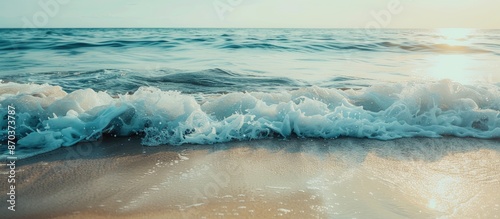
(203, 86)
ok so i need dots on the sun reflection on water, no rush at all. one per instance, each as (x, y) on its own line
(455, 36)
(459, 62)
(455, 67)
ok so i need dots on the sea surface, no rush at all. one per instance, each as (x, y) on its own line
(205, 86)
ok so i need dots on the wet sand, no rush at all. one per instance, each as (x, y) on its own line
(299, 178)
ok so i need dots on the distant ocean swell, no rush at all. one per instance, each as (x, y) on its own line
(275, 44)
(48, 117)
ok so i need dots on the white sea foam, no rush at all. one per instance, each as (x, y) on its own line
(48, 117)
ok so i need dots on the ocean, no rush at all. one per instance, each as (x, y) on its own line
(204, 86)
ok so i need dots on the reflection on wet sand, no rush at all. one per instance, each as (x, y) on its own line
(300, 178)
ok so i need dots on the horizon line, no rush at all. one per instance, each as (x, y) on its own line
(394, 28)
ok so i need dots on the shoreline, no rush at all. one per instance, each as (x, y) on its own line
(297, 178)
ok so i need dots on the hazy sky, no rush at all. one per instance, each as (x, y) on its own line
(251, 13)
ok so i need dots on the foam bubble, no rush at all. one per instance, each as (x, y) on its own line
(49, 118)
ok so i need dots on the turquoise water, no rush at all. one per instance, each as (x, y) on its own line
(204, 86)
(121, 60)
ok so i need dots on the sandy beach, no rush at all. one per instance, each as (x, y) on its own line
(299, 178)
(380, 109)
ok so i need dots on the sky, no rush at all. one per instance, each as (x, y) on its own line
(251, 13)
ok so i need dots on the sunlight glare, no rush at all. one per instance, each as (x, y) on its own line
(455, 67)
(454, 36)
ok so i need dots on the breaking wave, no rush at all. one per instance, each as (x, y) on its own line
(47, 117)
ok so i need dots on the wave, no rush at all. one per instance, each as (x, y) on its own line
(435, 48)
(116, 81)
(303, 47)
(268, 46)
(47, 117)
(302, 41)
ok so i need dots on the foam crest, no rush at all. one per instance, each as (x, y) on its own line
(48, 118)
